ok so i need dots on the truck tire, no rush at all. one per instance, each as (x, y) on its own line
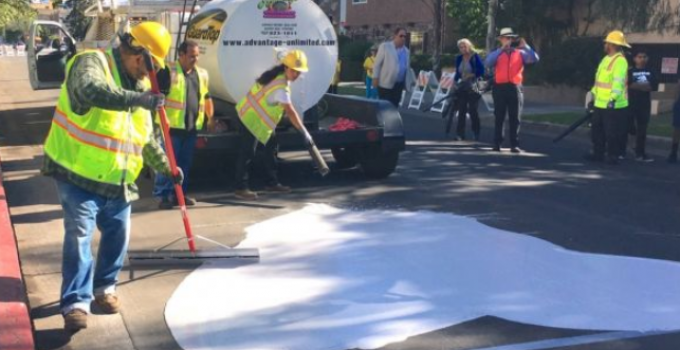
(345, 157)
(378, 164)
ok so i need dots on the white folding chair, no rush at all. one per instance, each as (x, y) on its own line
(419, 90)
(445, 85)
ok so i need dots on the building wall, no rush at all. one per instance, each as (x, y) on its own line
(376, 20)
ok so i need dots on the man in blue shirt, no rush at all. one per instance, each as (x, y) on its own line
(508, 64)
(391, 69)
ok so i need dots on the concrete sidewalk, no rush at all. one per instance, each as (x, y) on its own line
(25, 118)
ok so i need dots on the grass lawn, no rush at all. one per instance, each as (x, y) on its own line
(660, 125)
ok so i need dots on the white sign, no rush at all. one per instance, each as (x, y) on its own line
(669, 65)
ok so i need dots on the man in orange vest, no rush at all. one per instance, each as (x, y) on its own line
(508, 63)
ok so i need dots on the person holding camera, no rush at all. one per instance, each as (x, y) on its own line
(469, 69)
(508, 63)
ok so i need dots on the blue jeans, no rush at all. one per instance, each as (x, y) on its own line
(82, 211)
(184, 147)
(371, 92)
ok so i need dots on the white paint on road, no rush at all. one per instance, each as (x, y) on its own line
(338, 279)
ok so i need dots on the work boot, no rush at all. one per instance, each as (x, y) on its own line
(279, 188)
(246, 194)
(612, 160)
(108, 303)
(644, 158)
(497, 148)
(75, 320)
(189, 201)
(165, 204)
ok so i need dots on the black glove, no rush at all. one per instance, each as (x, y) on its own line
(179, 178)
(591, 106)
(149, 100)
(611, 104)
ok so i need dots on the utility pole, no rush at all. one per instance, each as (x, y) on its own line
(491, 31)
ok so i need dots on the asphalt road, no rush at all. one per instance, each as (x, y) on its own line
(548, 192)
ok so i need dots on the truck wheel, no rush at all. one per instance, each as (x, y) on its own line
(344, 157)
(378, 164)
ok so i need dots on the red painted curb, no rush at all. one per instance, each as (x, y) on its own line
(16, 331)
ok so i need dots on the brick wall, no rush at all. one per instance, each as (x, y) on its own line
(376, 20)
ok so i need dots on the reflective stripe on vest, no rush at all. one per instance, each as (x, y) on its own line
(175, 101)
(510, 68)
(101, 145)
(605, 84)
(256, 114)
(94, 139)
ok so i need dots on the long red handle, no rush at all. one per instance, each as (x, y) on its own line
(173, 164)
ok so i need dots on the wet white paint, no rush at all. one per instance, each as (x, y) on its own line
(334, 279)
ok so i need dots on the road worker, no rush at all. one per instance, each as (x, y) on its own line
(101, 135)
(188, 106)
(610, 94)
(260, 111)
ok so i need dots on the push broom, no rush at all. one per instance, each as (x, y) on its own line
(163, 256)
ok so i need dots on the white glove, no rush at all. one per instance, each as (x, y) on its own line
(589, 98)
(308, 137)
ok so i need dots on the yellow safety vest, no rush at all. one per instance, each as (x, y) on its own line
(257, 114)
(611, 82)
(101, 145)
(175, 102)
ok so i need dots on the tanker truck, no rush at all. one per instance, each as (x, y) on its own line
(238, 40)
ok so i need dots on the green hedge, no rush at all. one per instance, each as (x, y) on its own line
(352, 53)
(571, 63)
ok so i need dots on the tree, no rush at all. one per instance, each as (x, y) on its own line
(76, 20)
(439, 18)
(13, 11)
(491, 24)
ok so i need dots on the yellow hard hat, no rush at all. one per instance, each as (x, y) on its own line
(296, 60)
(617, 38)
(153, 37)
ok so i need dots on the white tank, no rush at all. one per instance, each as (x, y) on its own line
(238, 38)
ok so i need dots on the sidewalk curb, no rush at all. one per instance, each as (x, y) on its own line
(656, 145)
(16, 329)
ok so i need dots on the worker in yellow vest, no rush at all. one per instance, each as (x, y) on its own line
(610, 99)
(260, 111)
(189, 108)
(101, 135)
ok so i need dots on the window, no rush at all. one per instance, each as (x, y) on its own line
(417, 42)
(358, 2)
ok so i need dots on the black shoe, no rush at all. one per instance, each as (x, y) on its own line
(457, 138)
(165, 204)
(593, 158)
(516, 150)
(497, 148)
(612, 161)
(644, 158)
